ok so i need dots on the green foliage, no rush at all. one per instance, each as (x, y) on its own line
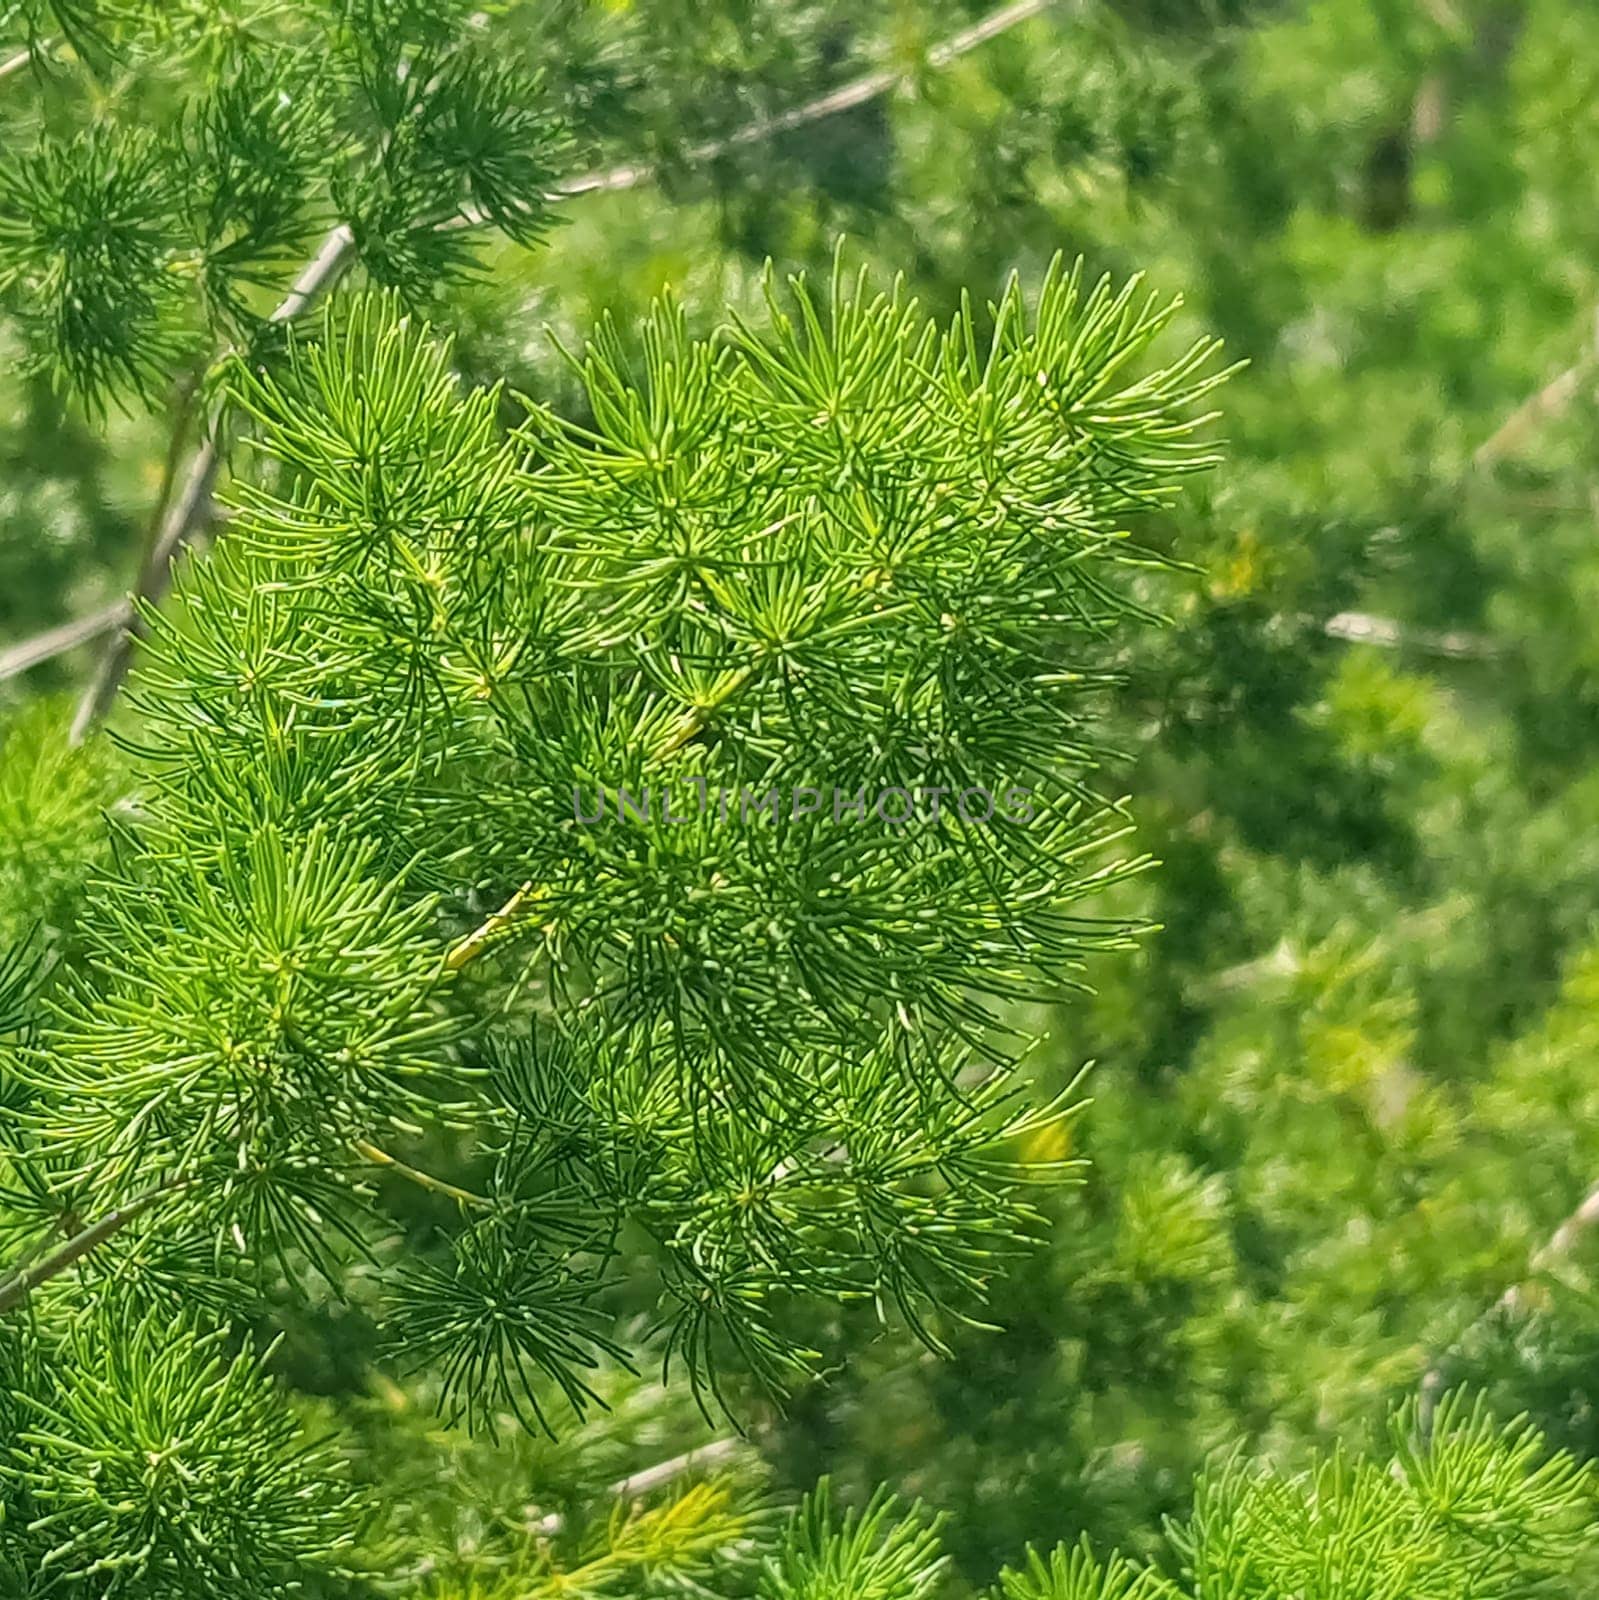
(52, 830)
(1467, 1509)
(1343, 1124)
(143, 1460)
(1464, 1508)
(767, 1039)
(128, 253)
(879, 1553)
(1075, 1574)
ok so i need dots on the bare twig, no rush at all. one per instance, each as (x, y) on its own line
(1549, 401)
(57, 641)
(16, 1289)
(1448, 18)
(858, 92)
(1514, 1299)
(25, 58)
(1361, 627)
(1284, 963)
(636, 1484)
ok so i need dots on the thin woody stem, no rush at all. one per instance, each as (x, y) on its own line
(1549, 401)
(25, 58)
(699, 717)
(192, 508)
(16, 1289)
(58, 640)
(482, 936)
(423, 1180)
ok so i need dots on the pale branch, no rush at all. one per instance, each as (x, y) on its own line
(1448, 19)
(1355, 627)
(1515, 1298)
(15, 1290)
(1362, 627)
(57, 641)
(25, 58)
(637, 1484)
(192, 508)
(847, 97)
(1549, 401)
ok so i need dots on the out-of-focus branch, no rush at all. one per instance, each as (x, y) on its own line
(858, 92)
(1514, 1299)
(1286, 962)
(25, 58)
(700, 1459)
(1362, 627)
(1549, 401)
(57, 641)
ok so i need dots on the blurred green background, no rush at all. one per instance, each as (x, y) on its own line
(1349, 1090)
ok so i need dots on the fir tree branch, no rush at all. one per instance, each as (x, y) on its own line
(693, 724)
(699, 718)
(1355, 627)
(16, 1289)
(193, 506)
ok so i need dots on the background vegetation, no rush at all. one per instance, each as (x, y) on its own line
(1346, 1117)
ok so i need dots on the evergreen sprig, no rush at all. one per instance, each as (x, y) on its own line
(143, 1461)
(173, 226)
(882, 1552)
(871, 538)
